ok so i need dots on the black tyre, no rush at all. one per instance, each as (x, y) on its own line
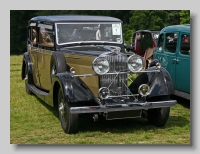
(28, 80)
(69, 122)
(159, 116)
(58, 64)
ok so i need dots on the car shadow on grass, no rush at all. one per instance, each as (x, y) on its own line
(127, 125)
(53, 110)
(86, 123)
(182, 101)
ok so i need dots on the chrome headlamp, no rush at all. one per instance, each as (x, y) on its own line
(135, 63)
(104, 92)
(100, 65)
(144, 90)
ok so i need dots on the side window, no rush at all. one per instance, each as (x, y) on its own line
(171, 42)
(185, 44)
(160, 42)
(33, 34)
(46, 37)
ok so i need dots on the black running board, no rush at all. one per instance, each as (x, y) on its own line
(37, 91)
(43, 95)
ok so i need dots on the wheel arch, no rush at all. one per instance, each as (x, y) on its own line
(55, 93)
(26, 62)
(23, 68)
(73, 88)
(160, 83)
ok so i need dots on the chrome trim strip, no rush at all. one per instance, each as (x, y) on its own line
(72, 57)
(85, 22)
(45, 26)
(88, 75)
(125, 118)
(122, 107)
(33, 24)
(123, 96)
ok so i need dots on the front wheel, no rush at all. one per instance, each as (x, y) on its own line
(159, 116)
(69, 122)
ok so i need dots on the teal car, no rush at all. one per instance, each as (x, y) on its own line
(173, 52)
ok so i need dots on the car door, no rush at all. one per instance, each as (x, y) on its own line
(183, 64)
(33, 43)
(46, 48)
(174, 55)
(166, 53)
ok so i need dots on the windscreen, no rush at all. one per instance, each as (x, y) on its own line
(67, 33)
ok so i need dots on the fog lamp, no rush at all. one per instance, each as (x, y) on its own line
(104, 93)
(158, 65)
(100, 65)
(144, 90)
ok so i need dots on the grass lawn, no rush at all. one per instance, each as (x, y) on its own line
(34, 122)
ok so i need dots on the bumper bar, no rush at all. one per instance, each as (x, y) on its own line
(122, 107)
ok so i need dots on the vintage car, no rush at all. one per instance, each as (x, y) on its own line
(143, 44)
(77, 64)
(142, 40)
(173, 52)
(155, 34)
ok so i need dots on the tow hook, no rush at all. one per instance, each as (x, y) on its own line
(144, 114)
(95, 117)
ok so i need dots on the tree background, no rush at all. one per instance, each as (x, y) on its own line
(132, 20)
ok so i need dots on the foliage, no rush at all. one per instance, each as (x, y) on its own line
(128, 33)
(148, 19)
(18, 33)
(132, 20)
(173, 17)
(185, 17)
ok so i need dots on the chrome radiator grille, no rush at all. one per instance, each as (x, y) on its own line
(116, 82)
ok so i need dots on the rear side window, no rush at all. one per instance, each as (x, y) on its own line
(171, 42)
(33, 34)
(46, 37)
(185, 44)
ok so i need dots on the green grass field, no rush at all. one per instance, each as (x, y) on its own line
(34, 122)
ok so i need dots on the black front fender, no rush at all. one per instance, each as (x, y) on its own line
(160, 82)
(26, 62)
(74, 89)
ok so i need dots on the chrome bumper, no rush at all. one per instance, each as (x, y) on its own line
(122, 107)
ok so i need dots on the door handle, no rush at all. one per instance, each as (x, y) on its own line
(173, 60)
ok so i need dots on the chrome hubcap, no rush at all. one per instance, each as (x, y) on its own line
(61, 108)
(26, 77)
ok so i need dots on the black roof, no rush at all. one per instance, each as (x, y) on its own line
(74, 18)
(142, 30)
